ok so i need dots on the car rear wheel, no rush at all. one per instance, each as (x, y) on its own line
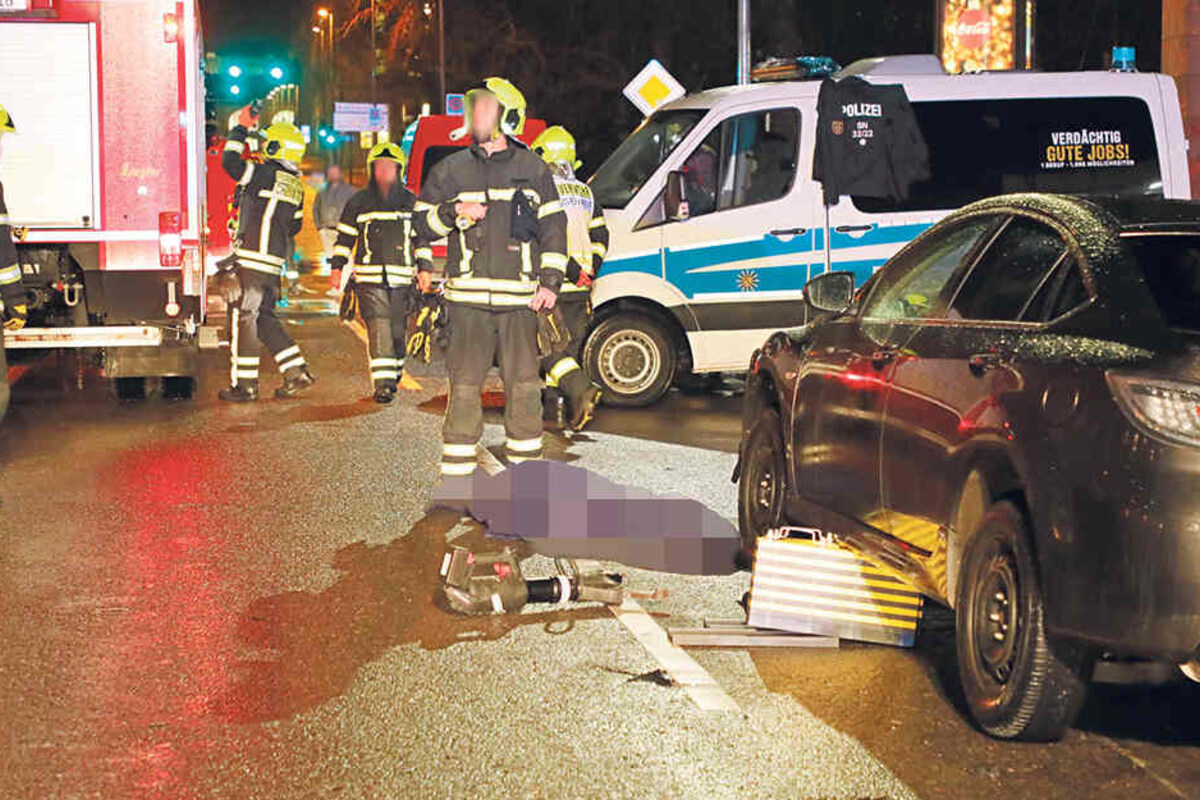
(633, 359)
(763, 480)
(1018, 684)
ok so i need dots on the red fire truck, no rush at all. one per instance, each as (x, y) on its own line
(105, 181)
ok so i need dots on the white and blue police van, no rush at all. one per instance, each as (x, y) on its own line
(699, 291)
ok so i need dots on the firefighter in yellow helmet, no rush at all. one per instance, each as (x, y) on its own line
(587, 244)
(376, 229)
(496, 205)
(512, 108)
(13, 308)
(269, 217)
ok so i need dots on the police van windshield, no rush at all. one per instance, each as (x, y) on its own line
(624, 172)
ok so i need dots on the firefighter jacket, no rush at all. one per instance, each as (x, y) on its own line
(587, 234)
(499, 261)
(11, 293)
(381, 227)
(271, 209)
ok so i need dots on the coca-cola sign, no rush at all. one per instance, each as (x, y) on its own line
(973, 28)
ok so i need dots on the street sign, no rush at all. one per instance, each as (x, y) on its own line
(653, 87)
(358, 117)
(456, 104)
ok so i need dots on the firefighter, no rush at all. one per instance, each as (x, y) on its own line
(269, 216)
(496, 204)
(13, 308)
(379, 220)
(587, 244)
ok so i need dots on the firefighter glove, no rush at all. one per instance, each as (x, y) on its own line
(349, 308)
(229, 286)
(17, 316)
(552, 334)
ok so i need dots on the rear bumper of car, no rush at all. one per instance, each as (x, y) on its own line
(1126, 571)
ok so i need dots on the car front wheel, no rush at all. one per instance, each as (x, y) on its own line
(763, 481)
(1017, 683)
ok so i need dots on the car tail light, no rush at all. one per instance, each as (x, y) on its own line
(170, 239)
(1170, 409)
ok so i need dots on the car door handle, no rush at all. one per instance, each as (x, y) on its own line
(881, 358)
(982, 362)
(788, 232)
(854, 228)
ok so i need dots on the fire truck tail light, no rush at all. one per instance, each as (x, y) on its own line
(170, 28)
(170, 239)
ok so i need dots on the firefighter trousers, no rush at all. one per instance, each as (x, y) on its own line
(384, 311)
(4, 391)
(479, 338)
(562, 368)
(253, 323)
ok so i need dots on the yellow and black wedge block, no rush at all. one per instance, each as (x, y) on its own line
(804, 586)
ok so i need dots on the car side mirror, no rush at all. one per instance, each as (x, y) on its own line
(675, 204)
(831, 292)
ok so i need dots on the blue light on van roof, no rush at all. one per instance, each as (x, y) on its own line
(1124, 59)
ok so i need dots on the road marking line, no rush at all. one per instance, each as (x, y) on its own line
(406, 381)
(704, 690)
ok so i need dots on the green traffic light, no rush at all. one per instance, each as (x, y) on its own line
(277, 73)
(235, 89)
(235, 72)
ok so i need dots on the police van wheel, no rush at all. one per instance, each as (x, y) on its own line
(1018, 684)
(632, 358)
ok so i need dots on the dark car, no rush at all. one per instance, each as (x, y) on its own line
(1008, 416)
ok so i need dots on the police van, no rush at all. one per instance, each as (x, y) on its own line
(716, 223)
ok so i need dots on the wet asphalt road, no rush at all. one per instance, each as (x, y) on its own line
(204, 601)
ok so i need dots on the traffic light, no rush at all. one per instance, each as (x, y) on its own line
(235, 71)
(235, 90)
(277, 73)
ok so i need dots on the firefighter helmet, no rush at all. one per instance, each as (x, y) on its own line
(556, 145)
(512, 107)
(284, 141)
(386, 151)
(6, 121)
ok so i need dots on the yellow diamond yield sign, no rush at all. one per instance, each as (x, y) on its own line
(653, 87)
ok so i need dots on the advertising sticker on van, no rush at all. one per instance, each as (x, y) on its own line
(1085, 148)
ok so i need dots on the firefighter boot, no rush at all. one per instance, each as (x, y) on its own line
(241, 393)
(295, 381)
(385, 391)
(583, 408)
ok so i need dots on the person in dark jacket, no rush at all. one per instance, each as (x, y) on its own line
(327, 212)
(496, 204)
(13, 306)
(378, 220)
(269, 216)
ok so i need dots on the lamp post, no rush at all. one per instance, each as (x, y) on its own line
(441, 54)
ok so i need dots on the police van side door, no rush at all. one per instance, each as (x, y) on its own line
(743, 255)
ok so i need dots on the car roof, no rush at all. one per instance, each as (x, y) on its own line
(1150, 214)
